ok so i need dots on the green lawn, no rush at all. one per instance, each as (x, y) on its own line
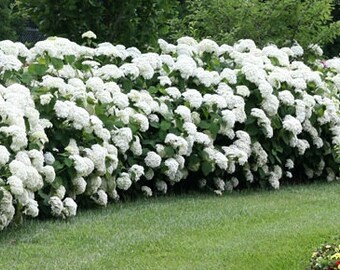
(246, 230)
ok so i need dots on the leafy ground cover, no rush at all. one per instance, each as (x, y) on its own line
(243, 230)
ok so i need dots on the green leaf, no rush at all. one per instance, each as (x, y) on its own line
(169, 151)
(131, 161)
(57, 63)
(68, 162)
(207, 168)
(153, 90)
(58, 165)
(127, 85)
(26, 78)
(165, 125)
(37, 69)
(214, 129)
(194, 163)
(166, 68)
(276, 122)
(69, 59)
(204, 124)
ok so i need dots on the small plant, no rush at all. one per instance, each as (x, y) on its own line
(327, 256)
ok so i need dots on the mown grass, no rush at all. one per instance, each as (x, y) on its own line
(245, 230)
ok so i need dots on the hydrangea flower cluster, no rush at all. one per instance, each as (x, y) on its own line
(91, 124)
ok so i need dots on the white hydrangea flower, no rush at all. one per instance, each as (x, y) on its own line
(234, 181)
(300, 108)
(207, 45)
(31, 208)
(149, 174)
(166, 47)
(49, 158)
(70, 208)
(289, 175)
(97, 154)
(302, 146)
(9, 62)
(260, 154)
(289, 164)
(164, 80)
(16, 185)
(185, 65)
(219, 183)
(291, 124)
(297, 50)
(121, 138)
(184, 112)
(4, 155)
(270, 104)
(286, 97)
(263, 121)
(79, 185)
(193, 97)
(275, 176)
(136, 147)
(185, 49)
(114, 195)
(190, 128)
(229, 74)
(173, 92)
(254, 74)
(153, 118)
(34, 181)
(309, 172)
(146, 191)
(203, 138)
(100, 198)
(94, 183)
(108, 72)
(161, 186)
(242, 90)
(37, 159)
(136, 172)
(123, 181)
(207, 78)
(211, 100)
(18, 169)
(18, 134)
(83, 165)
(130, 70)
(177, 142)
(330, 174)
(60, 192)
(152, 159)
(49, 173)
(172, 167)
(89, 34)
(46, 98)
(142, 120)
(221, 160)
(57, 205)
(145, 68)
(72, 147)
(273, 51)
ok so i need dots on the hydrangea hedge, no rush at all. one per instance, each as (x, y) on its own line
(81, 124)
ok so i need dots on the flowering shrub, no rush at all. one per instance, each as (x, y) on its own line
(327, 256)
(81, 124)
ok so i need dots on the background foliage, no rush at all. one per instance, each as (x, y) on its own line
(140, 22)
(132, 23)
(271, 21)
(11, 21)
